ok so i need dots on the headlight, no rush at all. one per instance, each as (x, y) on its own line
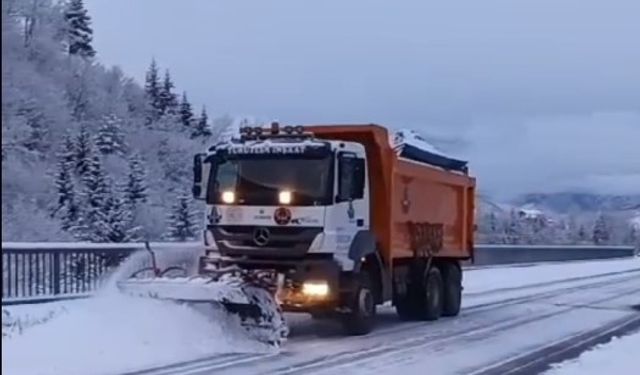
(284, 197)
(228, 197)
(315, 289)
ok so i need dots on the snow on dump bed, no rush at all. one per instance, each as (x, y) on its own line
(620, 357)
(115, 333)
(411, 145)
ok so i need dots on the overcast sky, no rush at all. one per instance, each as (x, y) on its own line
(540, 95)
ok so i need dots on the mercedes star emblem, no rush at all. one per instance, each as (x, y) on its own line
(261, 236)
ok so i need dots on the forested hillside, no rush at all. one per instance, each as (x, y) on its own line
(87, 152)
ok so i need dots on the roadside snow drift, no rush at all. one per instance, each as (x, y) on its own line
(620, 357)
(112, 333)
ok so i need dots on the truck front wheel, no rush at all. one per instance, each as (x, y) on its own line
(360, 319)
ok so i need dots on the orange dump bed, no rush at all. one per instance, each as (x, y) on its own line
(415, 207)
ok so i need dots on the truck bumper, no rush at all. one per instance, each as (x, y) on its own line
(310, 284)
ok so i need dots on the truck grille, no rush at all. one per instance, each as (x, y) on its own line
(263, 241)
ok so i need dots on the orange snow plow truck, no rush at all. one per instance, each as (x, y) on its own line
(332, 221)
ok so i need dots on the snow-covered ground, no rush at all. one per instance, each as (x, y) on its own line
(619, 357)
(111, 333)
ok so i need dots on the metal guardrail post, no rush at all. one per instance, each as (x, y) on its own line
(56, 272)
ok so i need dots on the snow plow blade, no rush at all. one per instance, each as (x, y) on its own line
(256, 308)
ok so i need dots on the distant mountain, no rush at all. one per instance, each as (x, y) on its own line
(567, 202)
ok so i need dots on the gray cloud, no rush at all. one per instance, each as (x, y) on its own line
(542, 94)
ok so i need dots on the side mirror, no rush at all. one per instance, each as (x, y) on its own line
(200, 175)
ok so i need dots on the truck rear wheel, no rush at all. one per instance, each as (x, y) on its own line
(430, 301)
(360, 320)
(452, 289)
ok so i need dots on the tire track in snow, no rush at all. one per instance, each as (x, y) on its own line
(539, 360)
(204, 364)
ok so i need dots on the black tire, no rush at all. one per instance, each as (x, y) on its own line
(452, 289)
(429, 301)
(360, 320)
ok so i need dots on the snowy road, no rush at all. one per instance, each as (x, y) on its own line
(508, 314)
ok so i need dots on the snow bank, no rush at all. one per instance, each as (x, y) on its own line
(113, 333)
(617, 357)
(17, 319)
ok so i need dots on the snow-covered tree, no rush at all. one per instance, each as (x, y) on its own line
(67, 153)
(50, 87)
(182, 223)
(83, 151)
(202, 128)
(94, 221)
(513, 229)
(135, 189)
(168, 101)
(186, 113)
(119, 222)
(632, 237)
(79, 32)
(35, 122)
(63, 181)
(110, 138)
(582, 234)
(66, 206)
(152, 90)
(96, 183)
(601, 230)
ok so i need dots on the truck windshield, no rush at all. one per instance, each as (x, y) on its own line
(259, 181)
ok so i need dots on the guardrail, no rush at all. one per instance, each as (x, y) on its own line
(510, 254)
(39, 272)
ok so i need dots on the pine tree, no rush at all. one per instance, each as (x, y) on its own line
(93, 224)
(110, 139)
(79, 32)
(83, 150)
(67, 153)
(119, 222)
(152, 91)
(135, 189)
(95, 181)
(186, 113)
(70, 213)
(582, 234)
(601, 233)
(513, 229)
(632, 237)
(36, 124)
(202, 128)
(64, 185)
(182, 225)
(168, 101)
